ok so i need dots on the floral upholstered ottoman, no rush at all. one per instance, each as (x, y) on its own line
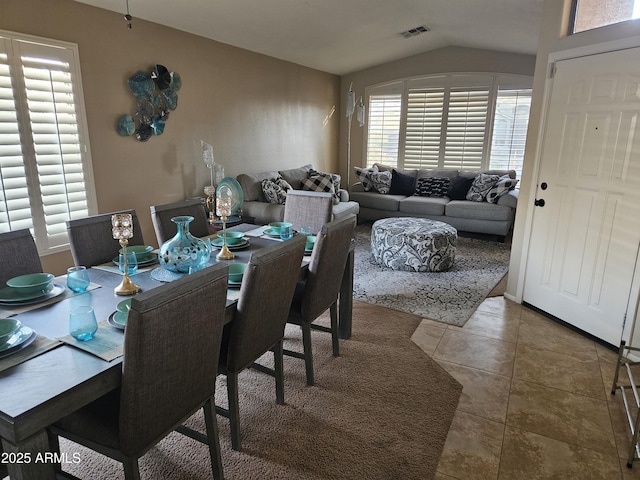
(414, 244)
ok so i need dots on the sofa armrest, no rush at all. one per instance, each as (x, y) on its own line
(344, 195)
(510, 199)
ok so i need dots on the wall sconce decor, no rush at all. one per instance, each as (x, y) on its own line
(156, 95)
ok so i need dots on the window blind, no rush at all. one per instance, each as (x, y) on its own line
(383, 129)
(510, 129)
(46, 181)
(425, 107)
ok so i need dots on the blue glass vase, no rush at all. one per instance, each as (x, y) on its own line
(184, 252)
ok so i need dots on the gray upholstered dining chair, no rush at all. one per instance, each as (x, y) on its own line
(92, 241)
(18, 255)
(319, 290)
(258, 325)
(172, 331)
(311, 209)
(165, 229)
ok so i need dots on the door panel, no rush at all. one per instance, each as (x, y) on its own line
(585, 239)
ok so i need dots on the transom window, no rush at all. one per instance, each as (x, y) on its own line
(45, 166)
(464, 122)
(590, 14)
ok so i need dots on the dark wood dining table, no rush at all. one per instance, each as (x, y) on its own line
(38, 392)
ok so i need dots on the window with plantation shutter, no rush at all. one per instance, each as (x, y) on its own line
(424, 127)
(383, 128)
(449, 122)
(45, 169)
(510, 129)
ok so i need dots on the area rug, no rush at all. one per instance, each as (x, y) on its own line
(450, 297)
(381, 410)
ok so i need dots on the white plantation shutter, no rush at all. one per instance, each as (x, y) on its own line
(383, 128)
(510, 129)
(424, 127)
(446, 122)
(466, 127)
(15, 210)
(53, 153)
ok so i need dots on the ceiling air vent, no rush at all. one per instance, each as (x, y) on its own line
(415, 31)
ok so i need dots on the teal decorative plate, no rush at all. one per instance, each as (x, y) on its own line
(236, 192)
(117, 320)
(12, 295)
(17, 340)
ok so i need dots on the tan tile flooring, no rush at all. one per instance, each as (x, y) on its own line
(536, 401)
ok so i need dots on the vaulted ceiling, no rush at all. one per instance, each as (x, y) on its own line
(343, 36)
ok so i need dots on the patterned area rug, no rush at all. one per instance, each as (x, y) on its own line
(450, 297)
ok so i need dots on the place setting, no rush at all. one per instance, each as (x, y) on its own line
(118, 318)
(234, 240)
(14, 340)
(30, 289)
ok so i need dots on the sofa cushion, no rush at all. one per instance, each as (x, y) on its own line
(389, 203)
(251, 184)
(432, 186)
(362, 174)
(502, 187)
(478, 210)
(459, 188)
(481, 186)
(423, 205)
(402, 184)
(295, 175)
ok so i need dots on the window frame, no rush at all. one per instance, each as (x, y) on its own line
(69, 54)
(497, 82)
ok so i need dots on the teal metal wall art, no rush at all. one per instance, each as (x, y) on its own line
(156, 94)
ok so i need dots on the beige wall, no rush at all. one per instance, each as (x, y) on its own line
(443, 60)
(258, 112)
(553, 38)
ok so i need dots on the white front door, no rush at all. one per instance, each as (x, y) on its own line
(585, 239)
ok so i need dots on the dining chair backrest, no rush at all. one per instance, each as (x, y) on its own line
(265, 297)
(165, 229)
(18, 255)
(326, 266)
(173, 334)
(91, 238)
(311, 209)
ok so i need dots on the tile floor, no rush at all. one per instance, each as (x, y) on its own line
(536, 402)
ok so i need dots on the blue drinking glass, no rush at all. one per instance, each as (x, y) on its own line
(82, 322)
(286, 232)
(77, 279)
(132, 263)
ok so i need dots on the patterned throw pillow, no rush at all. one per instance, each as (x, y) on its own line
(273, 192)
(502, 187)
(432, 187)
(282, 183)
(381, 181)
(333, 178)
(481, 186)
(362, 174)
(318, 183)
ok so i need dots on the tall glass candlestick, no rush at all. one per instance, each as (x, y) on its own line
(223, 209)
(122, 230)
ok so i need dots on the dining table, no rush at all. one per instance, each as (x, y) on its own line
(62, 377)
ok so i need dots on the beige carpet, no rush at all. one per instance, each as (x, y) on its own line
(381, 410)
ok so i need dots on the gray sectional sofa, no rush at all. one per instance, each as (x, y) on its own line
(464, 215)
(256, 205)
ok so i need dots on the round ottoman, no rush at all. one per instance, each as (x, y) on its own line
(414, 244)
